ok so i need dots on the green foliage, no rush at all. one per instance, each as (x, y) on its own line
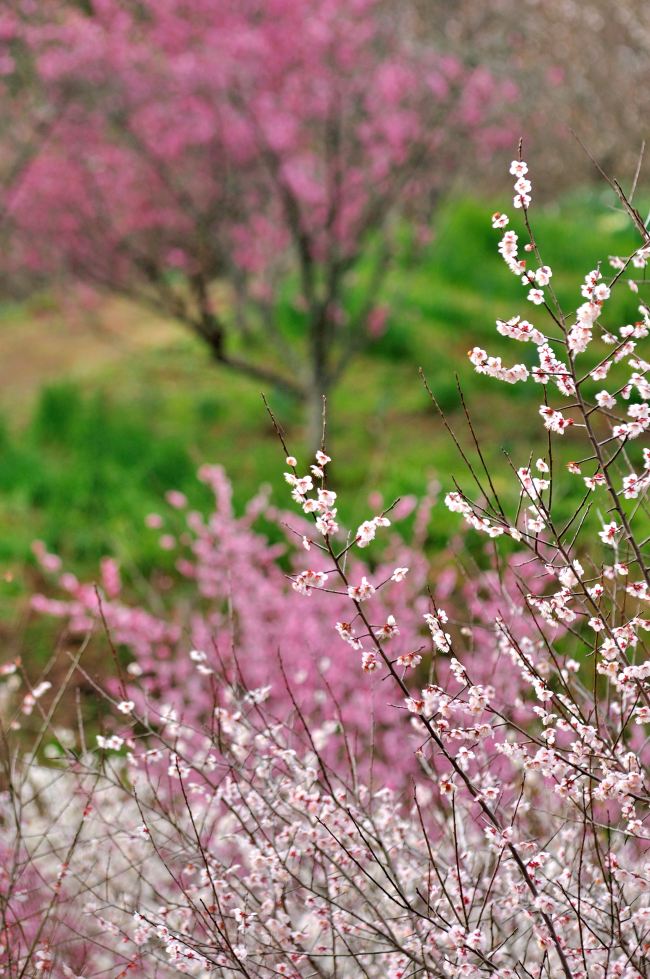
(85, 473)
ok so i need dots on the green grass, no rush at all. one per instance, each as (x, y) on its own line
(97, 455)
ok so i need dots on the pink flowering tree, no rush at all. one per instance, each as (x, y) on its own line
(205, 154)
(232, 838)
(230, 588)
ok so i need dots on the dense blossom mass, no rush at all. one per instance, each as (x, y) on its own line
(240, 141)
(252, 839)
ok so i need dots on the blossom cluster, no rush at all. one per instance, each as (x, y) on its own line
(231, 576)
(267, 862)
(592, 760)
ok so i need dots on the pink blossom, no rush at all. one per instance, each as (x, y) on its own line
(609, 533)
(307, 580)
(362, 591)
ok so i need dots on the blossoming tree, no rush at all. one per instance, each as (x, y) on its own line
(198, 142)
(229, 841)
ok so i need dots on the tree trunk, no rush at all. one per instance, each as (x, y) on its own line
(210, 328)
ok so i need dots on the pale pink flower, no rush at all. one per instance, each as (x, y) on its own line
(518, 168)
(543, 275)
(605, 400)
(609, 533)
(362, 591)
(307, 580)
(554, 420)
(369, 662)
